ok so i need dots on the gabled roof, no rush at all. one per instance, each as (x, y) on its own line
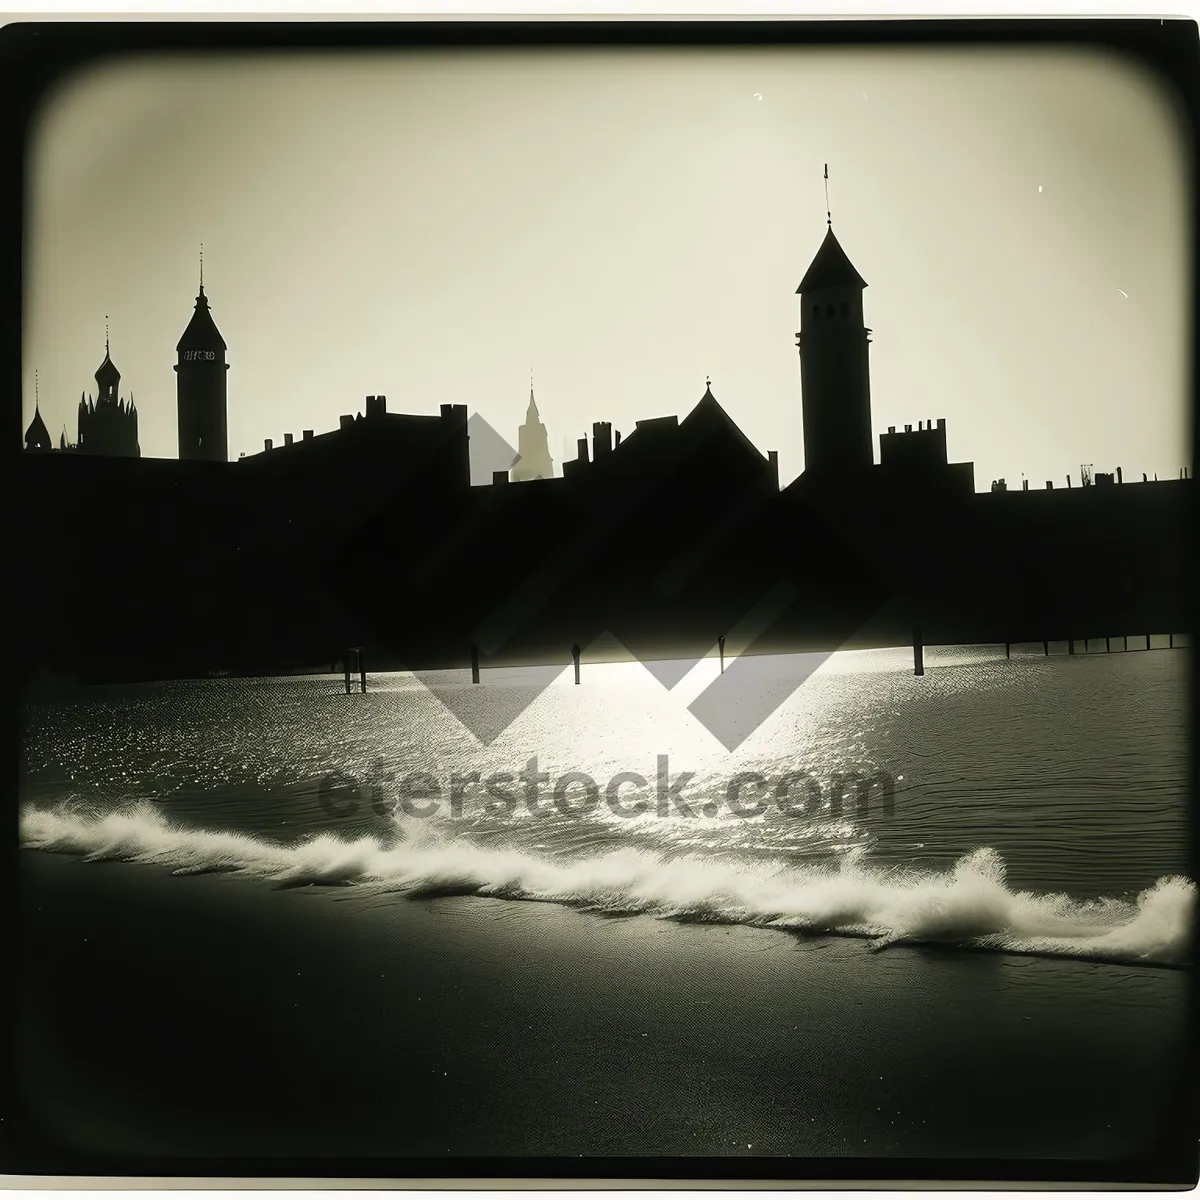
(202, 332)
(830, 268)
(709, 412)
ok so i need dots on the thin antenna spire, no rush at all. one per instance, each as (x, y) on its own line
(106, 335)
(202, 268)
(36, 398)
(828, 210)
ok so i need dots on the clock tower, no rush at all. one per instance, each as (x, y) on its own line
(201, 387)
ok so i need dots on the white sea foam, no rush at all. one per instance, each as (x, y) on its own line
(969, 905)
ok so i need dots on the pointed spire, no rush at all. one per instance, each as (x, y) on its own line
(531, 413)
(828, 210)
(36, 397)
(202, 268)
(106, 353)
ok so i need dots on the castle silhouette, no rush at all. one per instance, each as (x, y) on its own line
(373, 534)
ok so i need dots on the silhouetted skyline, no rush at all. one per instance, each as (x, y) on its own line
(656, 216)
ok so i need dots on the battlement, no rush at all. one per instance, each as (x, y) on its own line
(923, 447)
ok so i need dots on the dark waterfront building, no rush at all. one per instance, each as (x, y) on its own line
(201, 387)
(668, 538)
(917, 457)
(370, 451)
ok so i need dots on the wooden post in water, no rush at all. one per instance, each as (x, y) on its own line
(347, 665)
(575, 659)
(1070, 645)
(362, 669)
(1107, 646)
(474, 664)
(721, 649)
(1170, 641)
(1125, 641)
(1008, 649)
(1046, 647)
(1147, 641)
(1087, 645)
(918, 652)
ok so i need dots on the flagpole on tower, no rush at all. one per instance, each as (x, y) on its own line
(828, 211)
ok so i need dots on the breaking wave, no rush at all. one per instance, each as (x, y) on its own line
(970, 905)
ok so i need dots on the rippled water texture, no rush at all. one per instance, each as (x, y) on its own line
(1034, 804)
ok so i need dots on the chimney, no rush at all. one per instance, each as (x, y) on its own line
(376, 406)
(941, 423)
(308, 435)
(617, 435)
(908, 429)
(920, 426)
(1049, 485)
(346, 421)
(267, 443)
(891, 429)
(287, 439)
(773, 459)
(1024, 485)
(499, 477)
(601, 438)
(1119, 479)
(583, 450)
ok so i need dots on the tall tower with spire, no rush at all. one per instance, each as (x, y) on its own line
(835, 377)
(108, 424)
(201, 386)
(533, 447)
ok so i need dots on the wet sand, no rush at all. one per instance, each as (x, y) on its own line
(209, 1016)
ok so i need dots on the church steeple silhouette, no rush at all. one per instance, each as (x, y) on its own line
(37, 436)
(107, 425)
(834, 369)
(201, 385)
(533, 447)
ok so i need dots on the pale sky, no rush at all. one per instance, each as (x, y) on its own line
(625, 223)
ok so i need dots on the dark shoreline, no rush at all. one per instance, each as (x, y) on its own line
(201, 1016)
